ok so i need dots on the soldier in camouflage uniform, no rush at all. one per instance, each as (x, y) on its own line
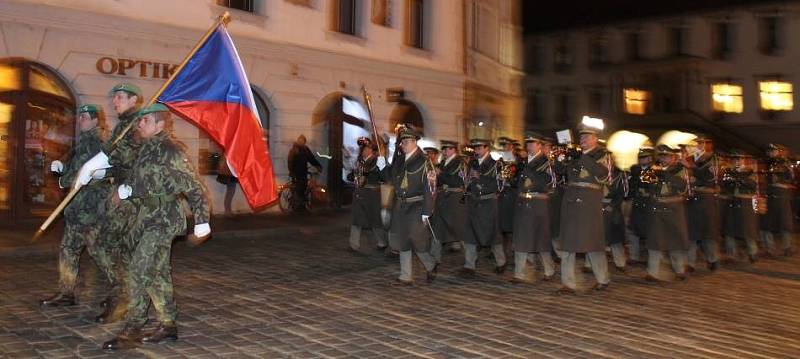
(367, 195)
(779, 218)
(126, 99)
(531, 215)
(450, 214)
(409, 230)
(666, 217)
(161, 172)
(83, 214)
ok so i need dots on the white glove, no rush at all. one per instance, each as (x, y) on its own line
(56, 166)
(124, 191)
(381, 162)
(99, 174)
(202, 230)
(99, 161)
(425, 218)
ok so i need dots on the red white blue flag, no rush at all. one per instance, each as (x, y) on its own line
(212, 91)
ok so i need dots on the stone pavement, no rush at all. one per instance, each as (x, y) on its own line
(298, 293)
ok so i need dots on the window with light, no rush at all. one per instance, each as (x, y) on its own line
(636, 101)
(776, 96)
(726, 98)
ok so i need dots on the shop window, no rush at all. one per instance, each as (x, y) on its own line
(244, 5)
(636, 101)
(726, 98)
(776, 96)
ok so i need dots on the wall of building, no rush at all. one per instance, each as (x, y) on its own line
(295, 65)
(697, 67)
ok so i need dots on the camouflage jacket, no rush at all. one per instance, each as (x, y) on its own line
(161, 173)
(84, 209)
(124, 154)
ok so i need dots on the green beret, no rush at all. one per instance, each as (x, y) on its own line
(127, 87)
(89, 108)
(156, 107)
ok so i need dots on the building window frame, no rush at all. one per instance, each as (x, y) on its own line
(723, 39)
(678, 39)
(564, 106)
(598, 51)
(771, 34)
(727, 97)
(241, 5)
(636, 100)
(775, 95)
(563, 57)
(633, 45)
(345, 17)
(416, 24)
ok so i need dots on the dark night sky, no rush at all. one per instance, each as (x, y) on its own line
(569, 13)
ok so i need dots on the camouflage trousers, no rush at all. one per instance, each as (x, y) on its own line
(150, 277)
(75, 239)
(118, 241)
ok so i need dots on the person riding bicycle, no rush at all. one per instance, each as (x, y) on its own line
(300, 156)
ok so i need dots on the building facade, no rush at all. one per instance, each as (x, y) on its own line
(729, 72)
(302, 58)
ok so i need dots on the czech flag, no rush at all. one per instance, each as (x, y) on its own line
(212, 91)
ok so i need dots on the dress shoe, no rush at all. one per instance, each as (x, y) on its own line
(565, 291)
(59, 300)
(599, 287)
(105, 302)
(680, 277)
(501, 269)
(430, 276)
(113, 312)
(548, 278)
(516, 280)
(126, 339)
(651, 279)
(402, 283)
(466, 273)
(164, 331)
(381, 248)
(713, 266)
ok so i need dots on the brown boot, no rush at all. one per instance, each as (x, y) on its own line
(168, 331)
(126, 339)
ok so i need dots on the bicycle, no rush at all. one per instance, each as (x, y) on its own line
(314, 193)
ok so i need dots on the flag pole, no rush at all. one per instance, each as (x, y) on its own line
(223, 19)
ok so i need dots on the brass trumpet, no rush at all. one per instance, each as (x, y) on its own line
(568, 151)
(651, 174)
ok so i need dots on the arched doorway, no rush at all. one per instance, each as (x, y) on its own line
(334, 136)
(407, 113)
(37, 126)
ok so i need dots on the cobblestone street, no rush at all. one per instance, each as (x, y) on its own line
(301, 294)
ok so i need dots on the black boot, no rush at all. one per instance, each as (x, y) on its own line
(126, 339)
(167, 331)
(59, 300)
(113, 311)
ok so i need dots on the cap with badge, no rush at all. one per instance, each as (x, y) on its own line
(431, 150)
(666, 150)
(127, 87)
(475, 142)
(776, 147)
(92, 108)
(407, 132)
(448, 144)
(534, 137)
(702, 137)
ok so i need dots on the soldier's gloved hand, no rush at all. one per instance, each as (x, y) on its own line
(425, 218)
(381, 163)
(99, 161)
(99, 174)
(124, 191)
(56, 166)
(202, 230)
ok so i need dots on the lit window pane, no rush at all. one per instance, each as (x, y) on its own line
(636, 101)
(44, 82)
(9, 78)
(727, 98)
(776, 96)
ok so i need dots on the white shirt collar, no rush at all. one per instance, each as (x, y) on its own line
(531, 157)
(447, 161)
(480, 161)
